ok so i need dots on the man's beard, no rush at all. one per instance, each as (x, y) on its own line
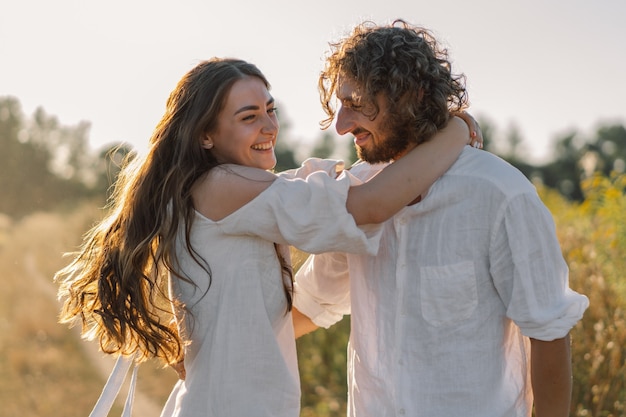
(388, 148)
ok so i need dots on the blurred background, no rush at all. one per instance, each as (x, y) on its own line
(83, 84)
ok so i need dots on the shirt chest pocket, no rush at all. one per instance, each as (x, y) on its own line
(448, 293)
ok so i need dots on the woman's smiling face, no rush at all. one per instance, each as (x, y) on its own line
(247, 126)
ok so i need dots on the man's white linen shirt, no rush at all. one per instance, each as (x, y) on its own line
(440, 317)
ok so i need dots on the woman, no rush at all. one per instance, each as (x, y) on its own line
(203, 209)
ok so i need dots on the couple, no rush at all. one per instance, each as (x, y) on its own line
(458, 292)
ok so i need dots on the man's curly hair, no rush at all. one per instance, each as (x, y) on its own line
(407, 66)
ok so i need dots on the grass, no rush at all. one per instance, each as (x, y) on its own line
(44, 367)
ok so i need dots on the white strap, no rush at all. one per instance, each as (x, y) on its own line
(112, 389)
(128, 406)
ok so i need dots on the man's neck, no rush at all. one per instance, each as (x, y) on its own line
(408, 149)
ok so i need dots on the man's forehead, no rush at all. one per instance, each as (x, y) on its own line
(347, 89)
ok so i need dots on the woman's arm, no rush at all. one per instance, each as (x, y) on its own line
(409, 177)
(373, 202)
(301, 324)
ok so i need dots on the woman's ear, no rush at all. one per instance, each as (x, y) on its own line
(207, 143)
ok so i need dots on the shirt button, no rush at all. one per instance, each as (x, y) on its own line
(401, 362)
(401, 411)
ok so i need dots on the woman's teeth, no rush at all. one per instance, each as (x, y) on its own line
(262, 146)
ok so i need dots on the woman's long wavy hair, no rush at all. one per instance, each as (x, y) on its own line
(116, 283)
(407, 66)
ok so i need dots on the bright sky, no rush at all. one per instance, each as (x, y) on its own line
(547, 66)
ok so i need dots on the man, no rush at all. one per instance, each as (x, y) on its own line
(466, 310)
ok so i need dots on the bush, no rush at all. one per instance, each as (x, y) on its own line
(593, 239)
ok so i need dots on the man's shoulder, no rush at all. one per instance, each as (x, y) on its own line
(483, 166)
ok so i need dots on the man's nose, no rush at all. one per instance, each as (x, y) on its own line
(344, 123)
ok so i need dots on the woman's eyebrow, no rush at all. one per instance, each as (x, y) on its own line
(253, 107)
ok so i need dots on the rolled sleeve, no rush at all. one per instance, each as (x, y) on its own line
(322, 288)
(561, 320)
(530, 273)
(332, 167)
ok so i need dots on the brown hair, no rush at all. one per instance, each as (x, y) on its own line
(116, 283)
(407, 66)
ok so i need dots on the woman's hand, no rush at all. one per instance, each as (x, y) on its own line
(476, 135)
(179, 367)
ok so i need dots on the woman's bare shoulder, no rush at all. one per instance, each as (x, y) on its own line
(227, 188)
(232, 172)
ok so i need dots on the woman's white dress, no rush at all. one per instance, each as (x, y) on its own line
(241, 361)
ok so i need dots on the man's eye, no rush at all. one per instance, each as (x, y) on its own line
(354, 107)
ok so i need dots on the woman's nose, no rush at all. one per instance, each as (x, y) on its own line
(271, 126)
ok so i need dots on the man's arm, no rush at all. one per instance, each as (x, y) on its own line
(301, 323)
(551, 371)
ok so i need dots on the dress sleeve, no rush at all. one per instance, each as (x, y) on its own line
(309, 214)
(333, 167)
(322, 288)
(530, 273)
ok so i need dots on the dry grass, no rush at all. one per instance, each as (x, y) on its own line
(44, 367)
(593, 239)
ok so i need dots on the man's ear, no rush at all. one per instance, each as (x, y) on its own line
(207, 142)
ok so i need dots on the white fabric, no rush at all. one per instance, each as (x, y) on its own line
(242, 357)
(130, 398)
(112, 389)
(440, 318)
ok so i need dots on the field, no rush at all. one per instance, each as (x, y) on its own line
(46, 370)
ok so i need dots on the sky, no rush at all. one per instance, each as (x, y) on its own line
(548, 67)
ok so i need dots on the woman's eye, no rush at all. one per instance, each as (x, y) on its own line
(273, 110)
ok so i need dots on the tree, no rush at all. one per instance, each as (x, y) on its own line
(28, 180)
(285, 157)
(610, 149)
(109, 163)
(564, 173)
(488, 130)
(325, 146)
(67, 145)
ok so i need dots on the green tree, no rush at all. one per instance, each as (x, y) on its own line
(108, 165)
(488, 129)
(325, 146)
(68, 146)
(610, 149)
(28, 178)
(564, 173)
(285, 156)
